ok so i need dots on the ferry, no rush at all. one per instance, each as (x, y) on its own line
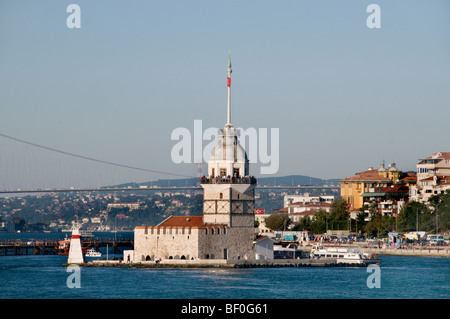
(91, 252)
(344, 255)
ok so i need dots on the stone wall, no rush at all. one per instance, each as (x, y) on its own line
(155, 242)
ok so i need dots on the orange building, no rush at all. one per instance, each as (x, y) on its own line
(368, 181)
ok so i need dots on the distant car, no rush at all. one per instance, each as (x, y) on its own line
(436, 239)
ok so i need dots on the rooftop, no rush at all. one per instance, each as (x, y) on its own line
(369, 175)
(184, 222)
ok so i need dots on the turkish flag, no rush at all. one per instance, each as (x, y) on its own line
(228, 81)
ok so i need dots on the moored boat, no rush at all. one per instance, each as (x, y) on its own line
(344, 255)
(91, 252)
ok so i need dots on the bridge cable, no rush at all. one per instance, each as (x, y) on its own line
(92, 159)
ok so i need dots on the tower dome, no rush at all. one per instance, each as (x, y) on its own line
(228, 157)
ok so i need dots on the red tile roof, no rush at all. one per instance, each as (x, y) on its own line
(185, 222)
(370, 175)
(311, 204)
(397, 188)
(443, 155)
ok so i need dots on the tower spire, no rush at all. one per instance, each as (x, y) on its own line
(229, 90)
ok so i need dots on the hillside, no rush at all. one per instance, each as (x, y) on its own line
(291, 180)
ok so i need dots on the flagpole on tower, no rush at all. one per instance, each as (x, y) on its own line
(229, 89)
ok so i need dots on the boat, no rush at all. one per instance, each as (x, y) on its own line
(344, 255)
(63, 247)
(91, 252)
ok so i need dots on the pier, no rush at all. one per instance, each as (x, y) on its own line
(222, 263)
(51, 247)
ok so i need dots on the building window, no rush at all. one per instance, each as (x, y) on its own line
(221, 196)
(223, 172)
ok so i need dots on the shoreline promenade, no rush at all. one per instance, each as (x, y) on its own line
(414, 251)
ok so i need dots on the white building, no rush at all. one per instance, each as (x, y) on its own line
(264, 248)
(306, 198)
(433, 177)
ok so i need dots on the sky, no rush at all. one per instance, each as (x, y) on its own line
(343, 96)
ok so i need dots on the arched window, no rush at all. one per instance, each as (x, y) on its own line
(221, 196)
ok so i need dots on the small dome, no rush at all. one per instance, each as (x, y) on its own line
(393, 168)
(228, 148)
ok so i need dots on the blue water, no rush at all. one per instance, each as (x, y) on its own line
(36, 277)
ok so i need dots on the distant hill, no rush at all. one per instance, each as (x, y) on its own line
(291, 180)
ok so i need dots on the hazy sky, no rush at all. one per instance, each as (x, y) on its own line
(343, 96)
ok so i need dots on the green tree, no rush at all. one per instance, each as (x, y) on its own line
(440, 204)
(305, 223)
(278, 221)
(414, 216)
(339, 214)
(319, 222)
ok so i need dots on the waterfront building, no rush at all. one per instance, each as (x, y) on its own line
(264, 248)
(226, 228)
(433, 177)
(386, 201)
(364, 182)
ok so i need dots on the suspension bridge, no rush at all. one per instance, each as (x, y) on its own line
(28, 167)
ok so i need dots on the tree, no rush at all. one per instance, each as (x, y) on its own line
(339, 214)
(305, 223)
(414, 216)
(441, 205)
(278, 221)
(319, 222)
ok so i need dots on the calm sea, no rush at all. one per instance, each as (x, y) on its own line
(44, 277)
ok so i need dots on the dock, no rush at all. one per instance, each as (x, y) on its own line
(222, 263)
(50, 247)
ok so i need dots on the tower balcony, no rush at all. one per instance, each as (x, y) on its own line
(228, 180)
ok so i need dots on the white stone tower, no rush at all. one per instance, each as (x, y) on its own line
(228, 190)
(75, 252)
